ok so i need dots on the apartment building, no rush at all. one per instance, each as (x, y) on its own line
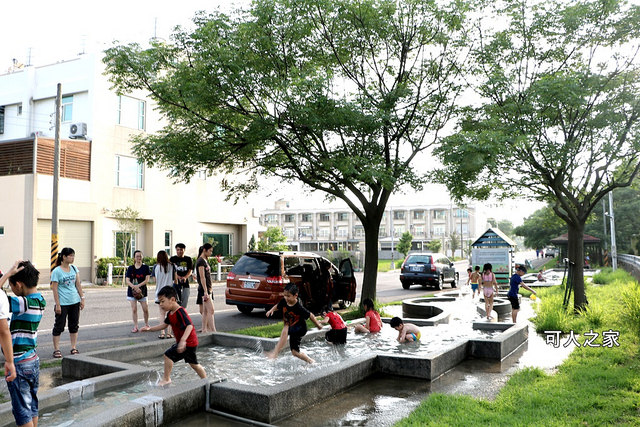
(98, 174)
(332, 228)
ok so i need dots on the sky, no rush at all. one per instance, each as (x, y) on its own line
(41, 32)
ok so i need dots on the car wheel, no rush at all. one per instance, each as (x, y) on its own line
(406, 285)
(344, 304)
(245, 309)
(456, 278)
(440, 283)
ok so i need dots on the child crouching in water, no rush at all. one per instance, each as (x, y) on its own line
(338, 332)
(186, 339)
(295, 325)
(407, 332)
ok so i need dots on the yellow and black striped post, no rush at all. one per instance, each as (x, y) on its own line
(54, 250)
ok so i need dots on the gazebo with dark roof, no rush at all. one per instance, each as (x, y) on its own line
(592, 247)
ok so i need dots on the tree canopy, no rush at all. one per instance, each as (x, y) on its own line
(340, 95)
(540, 227)
(404, 245)
(273, 240)
(558, 115)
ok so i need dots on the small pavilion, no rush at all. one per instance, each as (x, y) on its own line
(592, 247)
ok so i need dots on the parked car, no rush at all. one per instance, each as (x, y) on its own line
(551, 252)
(258, 279)
(427, 268)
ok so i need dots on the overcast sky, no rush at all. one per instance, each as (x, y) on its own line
(39, 32)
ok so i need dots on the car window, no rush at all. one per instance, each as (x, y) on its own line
(258, 264)
(416, 259)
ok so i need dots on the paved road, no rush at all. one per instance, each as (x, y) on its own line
(106, 320)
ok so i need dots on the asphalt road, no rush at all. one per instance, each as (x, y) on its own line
(106, 320)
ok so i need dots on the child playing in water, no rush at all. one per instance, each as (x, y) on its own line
(407, 332)
(186, 339)
(295, 325)
(338, 332)
(474, 279)
(489, 288)
(373, 323)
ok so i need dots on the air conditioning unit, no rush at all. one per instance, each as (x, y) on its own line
(78, 130)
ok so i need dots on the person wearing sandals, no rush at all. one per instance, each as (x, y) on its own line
(69, 299)
(164, 272)
(138, 276)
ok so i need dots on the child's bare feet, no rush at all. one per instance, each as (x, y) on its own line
(270, 355)
(310, 361)
(163, 383)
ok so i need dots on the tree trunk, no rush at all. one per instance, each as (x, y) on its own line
(370, 262)
(576, 259)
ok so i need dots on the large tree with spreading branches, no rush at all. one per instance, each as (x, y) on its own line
(342, 96)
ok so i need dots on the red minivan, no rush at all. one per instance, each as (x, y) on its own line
(258, 280)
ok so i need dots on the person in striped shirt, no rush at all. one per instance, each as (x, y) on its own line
(26, 311)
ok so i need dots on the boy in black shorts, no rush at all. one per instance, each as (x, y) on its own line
(186, 339)
(295, 323)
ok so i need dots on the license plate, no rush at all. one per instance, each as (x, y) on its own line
(249, 285)
(416, 268)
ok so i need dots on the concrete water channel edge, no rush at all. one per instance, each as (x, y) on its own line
(101, 371)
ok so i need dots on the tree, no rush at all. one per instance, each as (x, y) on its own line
(434, 246)
(128, 222)
(454, 242)
(558, 119)
(506, 227)
(252, 243)
(404, 245)
(343, 96)
(540, 227)
(273, 240)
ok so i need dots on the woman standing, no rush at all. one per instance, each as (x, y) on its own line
(69, 299)
(164, 273)
(205, 298)
(137, 278)
(489, 288)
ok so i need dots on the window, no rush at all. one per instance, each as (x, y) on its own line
(439, 214)
(398, 214)
(221, 243)
(418, 230)
(289, 218)
(305, 232)
(324, 217)
(438, 230)
(124, 243)
(271, 218)
(289, 232)
(131, 112)
(418, 214)
(343, 232)
(1, 119)
(19, 109)
(358, 231)
(382, 231)
(67, 108)
(323, 232)
(306, 217)
(342, 216)
(1, 230)
(461, 213)
(398, 230)
(167, 241)
(129, 172)
(141, 114)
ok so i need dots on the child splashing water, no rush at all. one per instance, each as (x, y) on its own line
(295, 325)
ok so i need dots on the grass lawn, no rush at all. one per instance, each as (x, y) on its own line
(385, 264)
(595, 386)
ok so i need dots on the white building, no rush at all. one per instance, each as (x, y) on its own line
(98, 174)
(333, 228)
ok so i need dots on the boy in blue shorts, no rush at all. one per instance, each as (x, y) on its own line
(514, 287)
(26, 311)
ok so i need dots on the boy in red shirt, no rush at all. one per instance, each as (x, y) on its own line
(186, 339)
(338, 332)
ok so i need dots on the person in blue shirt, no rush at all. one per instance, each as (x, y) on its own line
(514, 287)
(68, 298)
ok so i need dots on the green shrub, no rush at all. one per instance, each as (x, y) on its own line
(607, 276)
(630, 308)
(103, 266)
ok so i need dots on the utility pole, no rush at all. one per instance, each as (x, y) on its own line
(56, 177)
(393, 266)
(612, 223)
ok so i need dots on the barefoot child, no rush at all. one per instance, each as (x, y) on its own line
(373, 323)
(186, 339)
(338, 332)
(407, 332)
(295, 325)
(474, 279)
